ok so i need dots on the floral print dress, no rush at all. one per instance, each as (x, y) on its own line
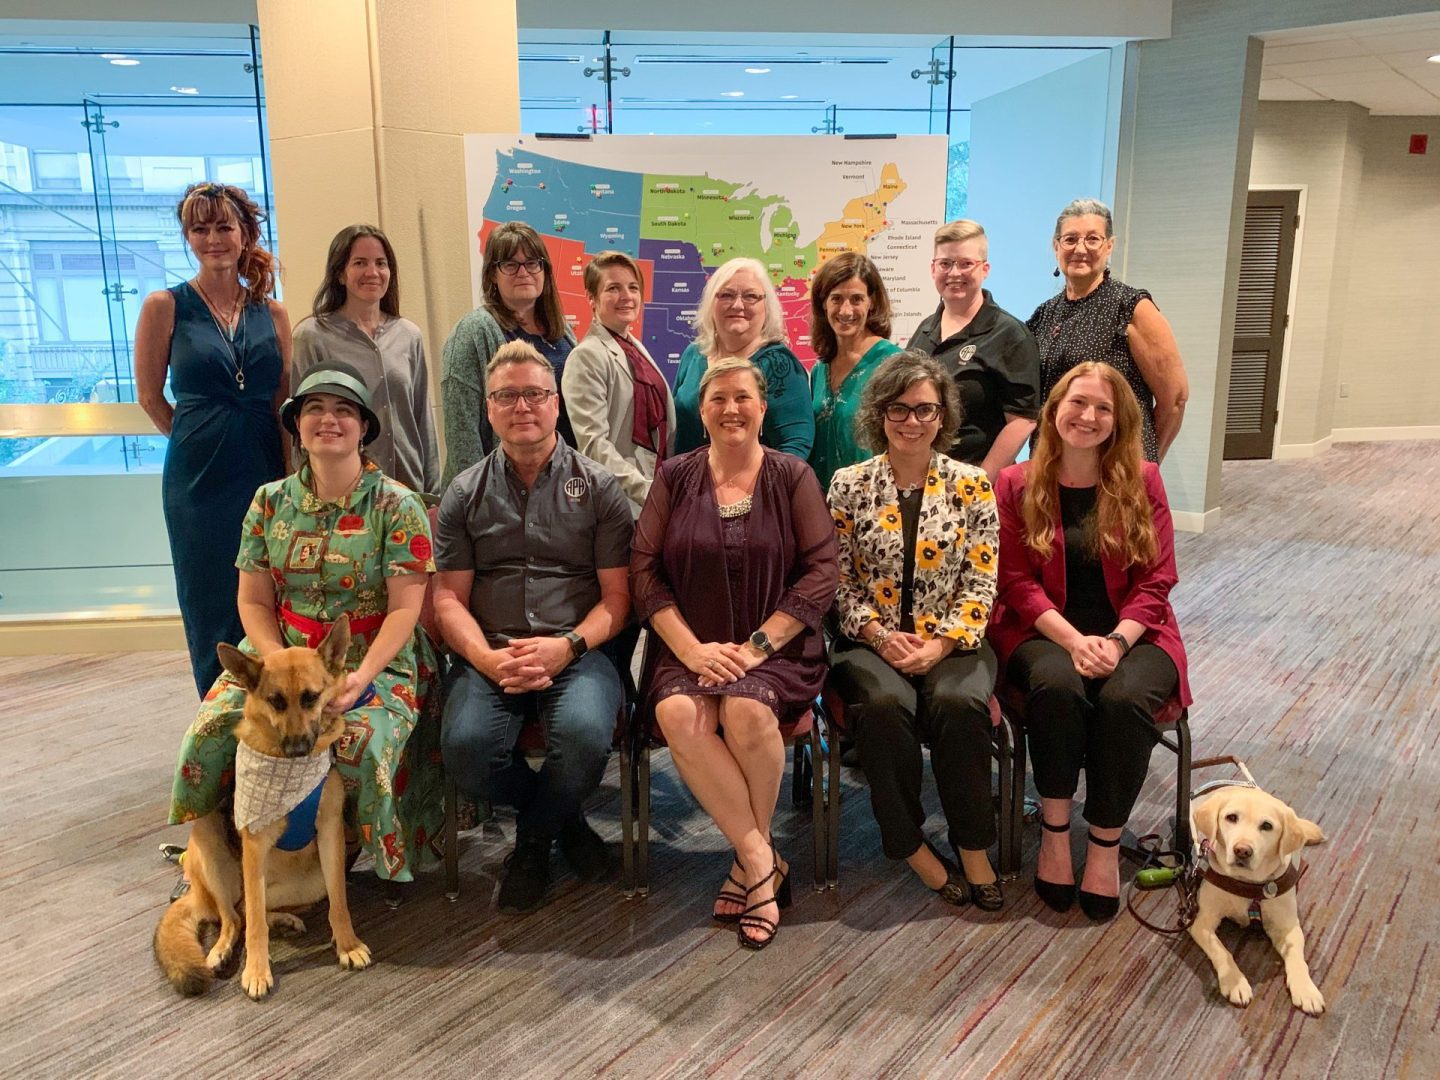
(329, 559)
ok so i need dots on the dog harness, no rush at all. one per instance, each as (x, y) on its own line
(269, 788)
(1254, 891)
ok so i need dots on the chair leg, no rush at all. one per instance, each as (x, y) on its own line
(818, 823)
(642, 835)
(1182, 784)
(1017, 796)
(1007, 824)
(452, 841)
(832, 819)
(797, 777)
(627, 819)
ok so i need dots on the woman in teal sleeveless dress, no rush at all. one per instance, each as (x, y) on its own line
(226, 348)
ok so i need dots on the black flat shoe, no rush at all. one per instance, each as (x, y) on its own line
(1057, 897)
(1098, 907)
(988, 897)
(956, 890)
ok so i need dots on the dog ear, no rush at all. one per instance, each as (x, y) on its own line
(244, 667)
(1292, 835)
(1207, 818)
(1313, 833)
(335, 645)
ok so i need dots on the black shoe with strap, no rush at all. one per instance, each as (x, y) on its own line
(727, 895)
(527, 876)
(781, 899)
(1057, 897)
(1098, 907)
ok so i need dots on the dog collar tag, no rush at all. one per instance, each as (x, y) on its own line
(1269, 890)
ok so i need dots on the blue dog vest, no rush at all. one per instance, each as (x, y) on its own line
(300, 823)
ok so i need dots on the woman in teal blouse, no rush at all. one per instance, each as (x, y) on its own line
(740, 316)
(849, 327)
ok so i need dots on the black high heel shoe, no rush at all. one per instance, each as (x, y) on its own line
(1057, 897)
(750, 921)
(1100, 908)
(727, 895)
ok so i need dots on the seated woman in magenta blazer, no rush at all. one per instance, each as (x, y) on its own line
(1083, 624)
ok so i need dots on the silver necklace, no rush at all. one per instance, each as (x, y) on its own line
(237, 359)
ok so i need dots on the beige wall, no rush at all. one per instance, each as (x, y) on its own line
(1317, 146)
(1368, 273)
(1390, 361)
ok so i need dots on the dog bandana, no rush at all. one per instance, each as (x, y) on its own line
(268, 788)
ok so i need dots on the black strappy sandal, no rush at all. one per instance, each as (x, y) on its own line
(1098, 907)
(781, 899)
(726, 895)
(1057, 897)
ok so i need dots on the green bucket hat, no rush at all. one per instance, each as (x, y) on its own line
(342, 380)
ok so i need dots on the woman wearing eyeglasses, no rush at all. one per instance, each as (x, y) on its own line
(849, 330)
(739, 317)
(987, 350)
(522, 303)
(918, 534)
(1099, 318)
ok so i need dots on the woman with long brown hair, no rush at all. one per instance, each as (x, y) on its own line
(226, 347)
(520, 301)
(357, 321)
(1083, 624)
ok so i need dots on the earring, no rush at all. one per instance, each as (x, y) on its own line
(1056, 272)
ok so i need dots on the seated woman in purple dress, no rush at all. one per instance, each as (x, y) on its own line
(734, 567)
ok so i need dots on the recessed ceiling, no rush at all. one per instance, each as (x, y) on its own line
(1378, 63)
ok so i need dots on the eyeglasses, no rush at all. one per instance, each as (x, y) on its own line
(749, 299)
(534, 396)
(1070, 241)
(963, 265)
(511, 267)
(897, 412)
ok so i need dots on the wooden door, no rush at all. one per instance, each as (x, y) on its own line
(1261, 302)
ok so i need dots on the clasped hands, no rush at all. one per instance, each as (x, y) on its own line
(525, 664)
(716, 663)
(911, 654)
(1095, 657)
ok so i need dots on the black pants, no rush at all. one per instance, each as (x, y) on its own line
(893, 714)
(1100, 725)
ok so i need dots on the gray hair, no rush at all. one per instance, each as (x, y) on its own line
(729, 366)
(895, 375)
(774, 326)
(1084, 208)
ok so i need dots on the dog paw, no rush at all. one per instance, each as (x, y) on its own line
(1308, 998)
(222, 962)
(1236, 989)
(285, 923)
(353, 957)
(257, 980)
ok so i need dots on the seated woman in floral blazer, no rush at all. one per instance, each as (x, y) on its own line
(918, 535)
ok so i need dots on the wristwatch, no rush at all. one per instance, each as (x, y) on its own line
(1118, 637)
(761, 641)
(578, 645)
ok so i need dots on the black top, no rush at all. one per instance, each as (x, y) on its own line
(997, 367)
(1087, 604)
(1094, 328)
(910, 529)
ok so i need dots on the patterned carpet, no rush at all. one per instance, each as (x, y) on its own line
(1310, 617)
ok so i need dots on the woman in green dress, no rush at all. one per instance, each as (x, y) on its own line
(338, 537)
(849, 328)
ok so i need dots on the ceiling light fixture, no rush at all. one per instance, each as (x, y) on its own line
(788, 97)
(185, 89)
(125, 61)
(732, 93)
(112, 56)
(757, 71)
(1434, 59)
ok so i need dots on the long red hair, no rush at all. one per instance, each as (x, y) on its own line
(207, 202)
(1125, 522)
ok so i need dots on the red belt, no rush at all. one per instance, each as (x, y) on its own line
(315, 630)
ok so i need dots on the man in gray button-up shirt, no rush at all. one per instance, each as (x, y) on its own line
(533, 551)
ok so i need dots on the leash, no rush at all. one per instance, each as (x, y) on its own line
(1165, 868)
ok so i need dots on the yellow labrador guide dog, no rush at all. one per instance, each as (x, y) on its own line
(283, 771)
(1251, 858)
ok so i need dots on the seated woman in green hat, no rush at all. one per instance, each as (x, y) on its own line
(337, 537)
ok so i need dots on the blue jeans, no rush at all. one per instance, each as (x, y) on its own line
(482, 725)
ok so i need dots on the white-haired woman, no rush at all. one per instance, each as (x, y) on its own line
(740, 317)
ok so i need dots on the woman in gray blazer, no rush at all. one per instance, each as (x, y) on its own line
(621, 407)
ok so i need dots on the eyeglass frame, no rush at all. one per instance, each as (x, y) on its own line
(1076, 241)
(725, 298)
(965, 266)
(534, 396)
(540, 266)
(914, 410)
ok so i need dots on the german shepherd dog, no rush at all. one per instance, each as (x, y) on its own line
(284, 717)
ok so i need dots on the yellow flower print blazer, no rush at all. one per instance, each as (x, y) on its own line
(956, 549)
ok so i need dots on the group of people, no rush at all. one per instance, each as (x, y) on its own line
(863, 525)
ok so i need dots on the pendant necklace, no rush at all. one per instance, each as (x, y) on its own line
(231, 344)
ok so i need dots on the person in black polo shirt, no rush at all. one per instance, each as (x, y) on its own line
(532, 546)
(989, 352)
